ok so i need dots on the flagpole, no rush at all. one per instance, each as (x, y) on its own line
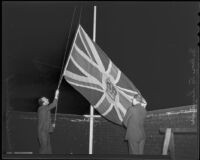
(91, 108)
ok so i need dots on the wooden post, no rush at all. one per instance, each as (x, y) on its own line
(168, 146)
(172, 147)
(168, 133)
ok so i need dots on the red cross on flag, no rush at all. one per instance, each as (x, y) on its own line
(95, 76)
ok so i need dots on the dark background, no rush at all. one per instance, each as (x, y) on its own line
(151, 42)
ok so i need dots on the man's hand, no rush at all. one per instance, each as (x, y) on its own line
(136, 99)
(56, 94)
(53, 125)
(51, 128)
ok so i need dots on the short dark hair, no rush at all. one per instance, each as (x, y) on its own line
(40, 101)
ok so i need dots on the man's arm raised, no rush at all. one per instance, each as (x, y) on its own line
(55, 101)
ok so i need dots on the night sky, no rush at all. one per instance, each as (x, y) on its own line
(151, 42)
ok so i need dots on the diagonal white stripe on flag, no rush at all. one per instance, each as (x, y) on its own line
(109, 67)
(80, 85)
(119, 105)
(81, 78)
(100, 101)
(79, 51)
(127, 90)
(83, 71)
(118, 77)
(108, 110)
(118, 113)
(94, 51)
(128, 97)
(71, 50)
(84, 43)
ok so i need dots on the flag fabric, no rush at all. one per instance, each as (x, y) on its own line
(90, 71)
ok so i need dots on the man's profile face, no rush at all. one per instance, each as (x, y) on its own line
(45, 101)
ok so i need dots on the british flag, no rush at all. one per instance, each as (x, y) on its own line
(97, 78)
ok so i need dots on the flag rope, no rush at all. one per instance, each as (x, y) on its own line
(62, 70)
(80, 16)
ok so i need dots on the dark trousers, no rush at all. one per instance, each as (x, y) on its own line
(45, 145)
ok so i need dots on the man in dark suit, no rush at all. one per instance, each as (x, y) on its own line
(44, 123)
(134, 122)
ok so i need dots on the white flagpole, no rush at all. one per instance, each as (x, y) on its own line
(91, 108)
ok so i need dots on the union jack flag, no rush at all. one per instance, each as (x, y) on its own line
(97, 78)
